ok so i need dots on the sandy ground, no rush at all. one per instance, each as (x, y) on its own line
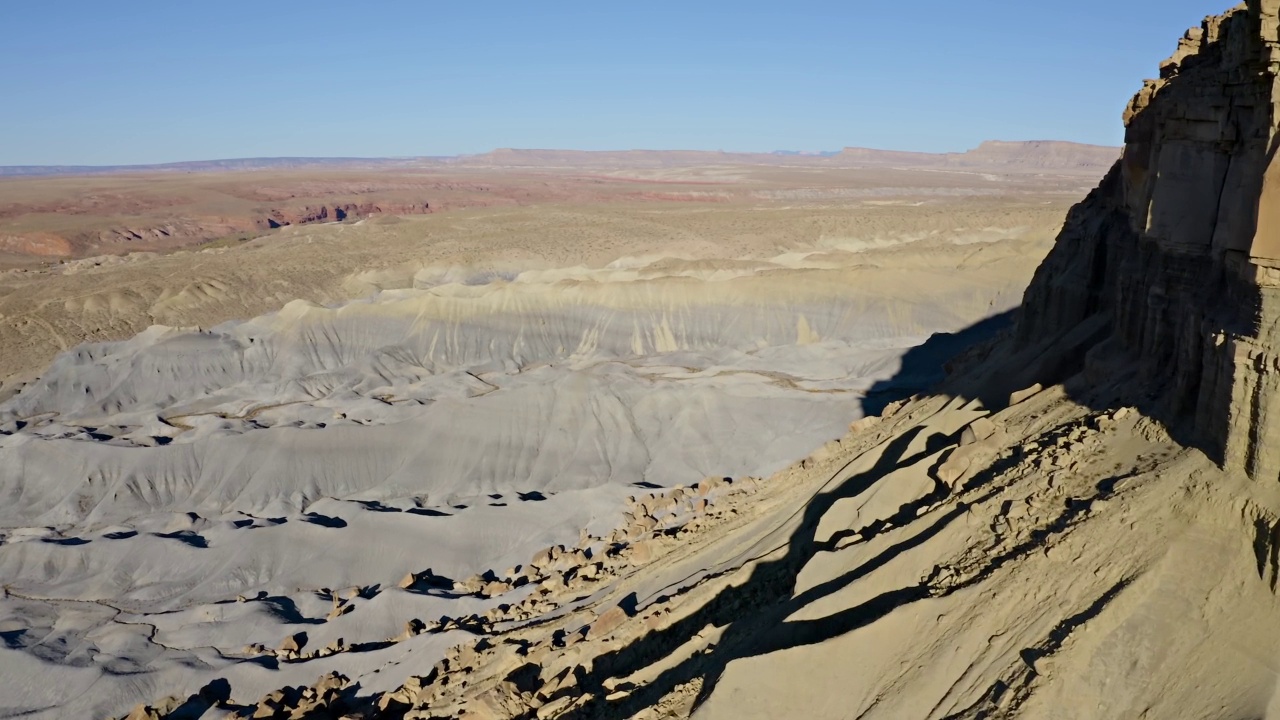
(339, 429)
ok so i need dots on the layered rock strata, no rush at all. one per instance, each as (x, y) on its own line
(1178, 250)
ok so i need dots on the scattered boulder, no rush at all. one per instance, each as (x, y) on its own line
(590, 571)
(473, 585)
(641, 553)
(1020, 395)
(553, 583)
(554, 707)
(978, 430)
(294, 643)
(493, 704)
(953, 469)
(607, 622)
(706, 487)
(643, 525)
(863, 424)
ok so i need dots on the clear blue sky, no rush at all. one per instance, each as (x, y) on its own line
(94, 82)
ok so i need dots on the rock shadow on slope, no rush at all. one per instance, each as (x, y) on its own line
(984, 365)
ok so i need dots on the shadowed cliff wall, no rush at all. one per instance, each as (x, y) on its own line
(1179, 247)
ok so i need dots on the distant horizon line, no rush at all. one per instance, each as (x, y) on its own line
(8, 169)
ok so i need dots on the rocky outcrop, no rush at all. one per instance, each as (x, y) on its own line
(336, 213)
(184, 231)
(1178, 250)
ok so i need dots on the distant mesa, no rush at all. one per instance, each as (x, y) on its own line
(229, 165)
(995, 155)
(1011, 156)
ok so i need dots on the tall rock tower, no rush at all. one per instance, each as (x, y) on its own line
(1178, 249)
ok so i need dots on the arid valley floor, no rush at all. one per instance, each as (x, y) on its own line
(226, 435)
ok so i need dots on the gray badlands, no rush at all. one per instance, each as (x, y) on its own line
(844, 437)
(459, 420)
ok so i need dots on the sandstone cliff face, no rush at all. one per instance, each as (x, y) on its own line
(1179, 248)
